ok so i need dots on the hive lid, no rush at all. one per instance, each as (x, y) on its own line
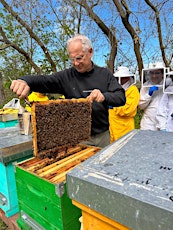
(13, 145)
(59, 124)
(129, 181)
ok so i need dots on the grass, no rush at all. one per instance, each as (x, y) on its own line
(138, 118)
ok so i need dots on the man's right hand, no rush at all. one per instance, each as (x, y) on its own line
(20, 88)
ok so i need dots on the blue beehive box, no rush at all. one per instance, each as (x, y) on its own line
(6, 124)
(14, 148)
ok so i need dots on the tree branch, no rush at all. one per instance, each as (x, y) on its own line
(124, 14)
(32, 34)
(111, 36)
(20, 50)
(159, 30)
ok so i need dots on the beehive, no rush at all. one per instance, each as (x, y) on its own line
(58, 127)
(13, 148)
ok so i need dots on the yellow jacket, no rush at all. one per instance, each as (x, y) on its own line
(121, 119)
(34, 96)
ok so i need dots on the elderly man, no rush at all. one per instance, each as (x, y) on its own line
(83, 79)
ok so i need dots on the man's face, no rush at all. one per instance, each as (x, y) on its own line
(80, 59)
(156, 76)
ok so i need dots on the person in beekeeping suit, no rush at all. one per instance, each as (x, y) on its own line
(150, 95)
(121, 118)
(164, 115)
(35, 97)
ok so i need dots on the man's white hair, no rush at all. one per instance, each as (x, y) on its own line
(86, 43)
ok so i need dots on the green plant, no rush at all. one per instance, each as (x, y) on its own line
(138, 118)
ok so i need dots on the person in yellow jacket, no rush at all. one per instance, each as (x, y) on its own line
(121, 119)
(34, 96)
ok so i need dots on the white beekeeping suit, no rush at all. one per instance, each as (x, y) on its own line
(164, 116)
(150, 95)
(149, 105)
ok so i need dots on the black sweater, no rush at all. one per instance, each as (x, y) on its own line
(73, 84)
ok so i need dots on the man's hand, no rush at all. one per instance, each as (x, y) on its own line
(20, 88)
(96, 95)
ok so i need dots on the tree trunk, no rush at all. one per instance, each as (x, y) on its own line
(2, 94)
(110, 35)
(159, 30)
(124, 14)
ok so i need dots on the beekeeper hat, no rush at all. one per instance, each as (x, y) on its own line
(123, 71)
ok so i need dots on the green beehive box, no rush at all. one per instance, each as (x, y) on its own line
(41, 181)
(42, 195)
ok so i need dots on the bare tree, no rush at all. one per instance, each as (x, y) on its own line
(124, 12)
(159, 30)
(110, 34)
